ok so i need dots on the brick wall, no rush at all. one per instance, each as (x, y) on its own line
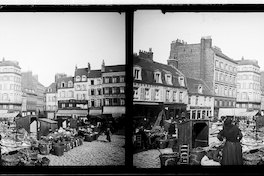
(188, 57)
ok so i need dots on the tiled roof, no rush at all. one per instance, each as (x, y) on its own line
(115, 68)
(149, 67)
(9, 63)
(248, 62)
(219, 53)
(192, 85)
(53, 87)
(66, 80)
(94, 74)
(80, 72)
(47, 120)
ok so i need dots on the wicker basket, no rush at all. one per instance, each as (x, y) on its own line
(10, 160)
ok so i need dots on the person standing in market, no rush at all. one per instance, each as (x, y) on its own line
(232, 150)
(108, 134)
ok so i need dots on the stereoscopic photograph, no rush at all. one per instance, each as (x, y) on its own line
(198, 89)
(62, 88)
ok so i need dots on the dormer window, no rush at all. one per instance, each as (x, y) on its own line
(78, 78)
(63, 84)
(168, 79)
(181, 81)
(137, 73)
(70, 84)
(83, 78)
(157, 77)
(49, 90)
(200, 89)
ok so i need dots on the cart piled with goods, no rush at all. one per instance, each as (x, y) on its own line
(59, 142)
(18, 148)
(88, 133)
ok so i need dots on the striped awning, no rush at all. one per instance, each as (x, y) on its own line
(71, 112)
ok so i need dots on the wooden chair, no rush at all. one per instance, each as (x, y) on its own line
(184, 154)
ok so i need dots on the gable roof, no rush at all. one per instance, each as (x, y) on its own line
(193, 85)
(53, 87)
(219, 53)
(115, 68)
(94, 74)
(80, 72)
(149, 67)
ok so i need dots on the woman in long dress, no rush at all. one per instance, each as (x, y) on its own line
(232, 151)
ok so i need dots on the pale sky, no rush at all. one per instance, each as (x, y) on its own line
(50, 43)
(237, 34)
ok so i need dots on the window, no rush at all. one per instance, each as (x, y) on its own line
(99, 92)
(63, 84)
(107, 102)
(106, 90)
(168, 79)
(70, 84)
(200, 89)
(147, 94)
(63, 105)
(221, 64)
(137, 73)
(226, 91)
(216, 76)
(189, 100)
(114, 79)
(106, 80)
(92, 92)
(216, 63)
(136, 93)
(78, 78)
(83, 78)
(167, 95)
(180, 97)
(157, 94)
(63, 94)
(174, 96)
(196, 100)
(92, 103)
(216, 89)
(122, 102)
(122, 90)
(92, 82)
(181, 81)
(122, 79)
(114, 90)
(157, 77)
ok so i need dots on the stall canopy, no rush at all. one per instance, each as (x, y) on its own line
(231, 111)
(9, 116)
(70, 112)
(248, 114)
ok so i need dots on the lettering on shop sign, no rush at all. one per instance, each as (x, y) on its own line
(199, 107)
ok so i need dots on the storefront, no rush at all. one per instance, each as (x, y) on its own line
(175, 110)
(199, 112)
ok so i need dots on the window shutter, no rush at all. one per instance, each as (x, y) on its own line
(152, 94)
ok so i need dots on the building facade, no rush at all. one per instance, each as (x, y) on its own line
(208, 63)
(113, 87)
(157, 87)
(200, 99)
(10, 86)
(51, 101)
(248, 85)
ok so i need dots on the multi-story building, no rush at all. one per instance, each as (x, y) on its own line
(10, 86)
(33, 92)
(157, 87)
(208, 63)
(51, 101)
(95, 93)
(80, 83)
(113, 86)
(248, 84)
(200, 99)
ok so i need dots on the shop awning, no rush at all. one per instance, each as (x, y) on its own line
(71, 112)
(9, 115)
(47, 120)
(145, 103)
(114, 110)
(248, 114)
(95, 112)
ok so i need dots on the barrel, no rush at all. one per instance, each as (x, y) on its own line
(169, 159)
(196, 156)
(59, 149)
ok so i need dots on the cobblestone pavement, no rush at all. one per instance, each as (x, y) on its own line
(95, 153)
(147, 159)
